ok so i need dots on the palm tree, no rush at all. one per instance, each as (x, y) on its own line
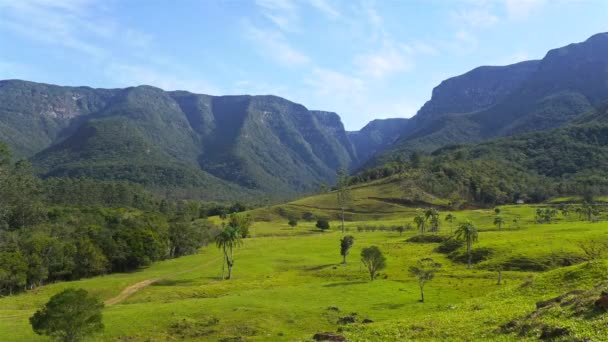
(432, 215)
(450, 218)
(229, 238)
(498, 221)
(466, 231)
(420, 222)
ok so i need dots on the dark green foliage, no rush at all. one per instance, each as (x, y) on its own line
(449, 246)
(322, 224)
(69, 316)
(426, 239)
(293, 222)
(477, 255)
(345, 244)
(374, 260)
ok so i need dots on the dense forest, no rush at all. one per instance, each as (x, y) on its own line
(66, 229)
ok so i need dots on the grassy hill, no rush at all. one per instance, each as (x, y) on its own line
(289, 284)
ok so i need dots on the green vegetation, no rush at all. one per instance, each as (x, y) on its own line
(69, 316)
(374, 260)
(346, 243)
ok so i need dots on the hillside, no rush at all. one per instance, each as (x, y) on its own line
(532, 167)
(229, 144)
(490, 102)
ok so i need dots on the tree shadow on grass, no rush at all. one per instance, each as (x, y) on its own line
(170, 282)
(345, 283)
(318, 268)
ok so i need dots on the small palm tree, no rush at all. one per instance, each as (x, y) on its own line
(498, 221)
(432, 215)
(420, 222)
(467, 232)
(228, 239)
(450, 218)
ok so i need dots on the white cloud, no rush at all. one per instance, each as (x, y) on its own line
(522, 8)
(476, 17)
(273, 44)
(328, 9)
(282, 13)
(386, 61)
(331, 83)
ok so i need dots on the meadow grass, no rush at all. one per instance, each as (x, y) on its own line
(289, 283)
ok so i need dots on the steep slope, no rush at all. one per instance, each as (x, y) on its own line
(376, 136)
(180, 139)
(491, 102)
(532, 166)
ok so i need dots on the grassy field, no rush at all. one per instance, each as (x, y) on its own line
(289, 284)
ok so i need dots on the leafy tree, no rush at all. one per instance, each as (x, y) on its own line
(424, 271)
(69, 316)
(293, 222)
(545, 215)
(499, 221)
(345, 244)
(450, 218)
(13, 272)
(322, 224)
(589, 210)
(468, 233)
(343, 193)
(400, 229)
(227, 240)
(242, 223)
(89, 259)
(420, 222)
(373, 259)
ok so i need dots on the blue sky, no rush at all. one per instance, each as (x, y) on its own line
(362, 59)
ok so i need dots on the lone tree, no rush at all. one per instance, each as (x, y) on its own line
(69, 316)
(345, 244)
(424, 271)
(322, 224)
(450, 218)
(227, 240)
(467, 232)
(292, 222)
(373, 259)
(342, 192)
(499, 221)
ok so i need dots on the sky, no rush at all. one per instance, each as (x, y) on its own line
(362, 59)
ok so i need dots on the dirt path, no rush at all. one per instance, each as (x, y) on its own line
(130, 290)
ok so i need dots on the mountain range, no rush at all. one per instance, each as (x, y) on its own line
(221, 147)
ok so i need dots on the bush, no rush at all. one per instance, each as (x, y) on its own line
(292, 222)
(322, 224)
(449, 246)
(477, 255)
(426, 239)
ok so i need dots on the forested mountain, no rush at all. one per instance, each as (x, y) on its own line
(533, 166)
(223, 144)
(490, 102)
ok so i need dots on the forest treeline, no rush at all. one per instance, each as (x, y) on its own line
(65, 229)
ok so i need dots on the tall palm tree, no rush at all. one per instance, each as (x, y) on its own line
(466, 231)
(228, 239)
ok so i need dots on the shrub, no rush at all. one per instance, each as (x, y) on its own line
(426, 239)
(322, 224)
(477, 255)
(449, 246)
